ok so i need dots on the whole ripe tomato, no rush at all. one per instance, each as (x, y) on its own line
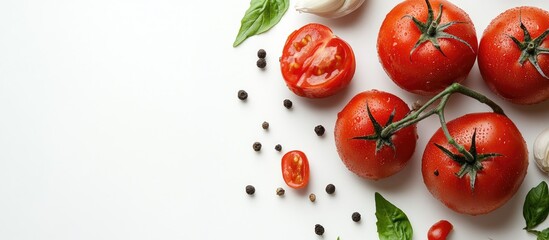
(513, 55)
(295, 169)
(358, 135)
(488, 180)
(439, 230)
(315, 63)
(425, 52)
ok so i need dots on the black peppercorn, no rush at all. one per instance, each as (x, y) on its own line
(436, 173)
(319, 130)
(257, 146)
(280, 191)
(265, 125)
(319, 229)
(312, 197)
(261, 53)
(261, 63)
(330, 188)
(356, 217)
(288, 103)
(250, 190)
(278, 147)
(242, 95)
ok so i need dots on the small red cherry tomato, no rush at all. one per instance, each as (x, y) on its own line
(439, 230)
(295, 169)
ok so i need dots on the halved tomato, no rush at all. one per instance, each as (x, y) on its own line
(315, 63)
(295, 169)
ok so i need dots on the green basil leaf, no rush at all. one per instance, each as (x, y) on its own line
(260, 17)
(543, 235)
(536, 206)
(392, 223)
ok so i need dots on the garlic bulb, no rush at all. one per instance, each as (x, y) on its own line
(541, 150)
(328, 8)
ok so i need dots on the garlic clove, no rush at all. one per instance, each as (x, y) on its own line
(541, 150)
(348, 7)
(318, 6)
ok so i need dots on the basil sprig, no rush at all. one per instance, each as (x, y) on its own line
(261, 16)
(392, 223)
(536, 210)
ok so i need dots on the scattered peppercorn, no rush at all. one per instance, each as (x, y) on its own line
(250, 190)
(261, 53)
(280, 191)
(288, 103)
(330, 188)
(319, 229)
(278, 147)
(436, 172)
(356, 217)
(312, 197)
(261, 63)
(242, 95)
(319, 130)
(265, 125)
(257, 146)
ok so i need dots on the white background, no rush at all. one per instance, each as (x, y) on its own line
(119, 120)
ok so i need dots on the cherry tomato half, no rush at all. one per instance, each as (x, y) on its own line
(439, 230)
(315, 63)
(295, 169)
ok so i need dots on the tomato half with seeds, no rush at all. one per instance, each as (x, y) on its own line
(295, 169)
(513, 55)
(359, 137)
(439, 230)
(425, 46)
(315, 63)
(486, 173)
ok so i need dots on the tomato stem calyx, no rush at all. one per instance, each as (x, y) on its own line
(531, 48)
(380, 139)
(432, 30)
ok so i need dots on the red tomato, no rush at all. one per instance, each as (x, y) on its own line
(380, 157)
(408, 50)
(315, 63)
(487, 182)
(439, 230)
(509, 67)
(295, 169)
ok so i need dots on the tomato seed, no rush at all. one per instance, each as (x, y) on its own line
(356, 217)
(261, 53)
(250, 190)
(257, 146)
(288, 103)
(242, 95)
(330, 188)
(319, 130)
(265, 125)
(261, 63)
(312, 197)
(280, 191)
(278, 147)
(319, 229)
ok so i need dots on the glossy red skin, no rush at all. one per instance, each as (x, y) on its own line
(319, 53)
(498, 58)
(295, 175)
(500, 177)
(427, 71)
(439, 230)
(359, 156)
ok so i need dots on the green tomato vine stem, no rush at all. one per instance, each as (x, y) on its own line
(436, 105)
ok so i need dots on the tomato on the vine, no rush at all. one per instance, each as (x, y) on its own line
(513, 56)
(295, 169)
(315, 63)
(439, 230)
(424, 46)
(486, 173)
(359, 140)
